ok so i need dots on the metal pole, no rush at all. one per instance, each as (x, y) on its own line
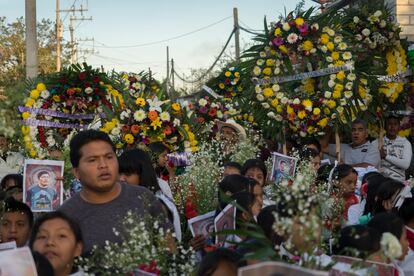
(172, 75)
(31, 39)
(58, 36)
(237, 33)
(168, 73)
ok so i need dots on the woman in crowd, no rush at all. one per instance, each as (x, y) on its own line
(346, 179)
(59, 239)
(159, 152)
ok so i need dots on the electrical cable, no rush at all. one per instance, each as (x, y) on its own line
(167, 39)
(212, 66)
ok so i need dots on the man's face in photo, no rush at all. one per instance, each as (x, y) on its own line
(44, 180)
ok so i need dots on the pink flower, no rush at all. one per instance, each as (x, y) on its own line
(303, 29)
(292, 38)
(277, 41)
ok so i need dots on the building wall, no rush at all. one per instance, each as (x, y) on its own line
(404, 10)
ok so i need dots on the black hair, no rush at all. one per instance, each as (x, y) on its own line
(43, 266)
(42, 173)
(244, 201)
(158, 147)
(369, 175)
(342, 171)
(393, 117)
(254, 163)
(233, 164)
(232, 184)
(374, 183)
(137, 161)
(311, 141)
(308, 153)
(406, 211)
(18, 179)
(73, 225)
(11, 206)
(265, 220)
(85, 137)
(358, 241)
(360, 121)
(211, 261)
(387, 222)
(387, 189)
(323, 173)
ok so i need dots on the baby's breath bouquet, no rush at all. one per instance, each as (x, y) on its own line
(146, 246)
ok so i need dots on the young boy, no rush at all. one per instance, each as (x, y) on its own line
(16, 222)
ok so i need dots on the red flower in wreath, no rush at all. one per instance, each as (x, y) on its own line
(135, 129)
(212, 112)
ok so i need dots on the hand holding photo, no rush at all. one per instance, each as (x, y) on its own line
(202, 225)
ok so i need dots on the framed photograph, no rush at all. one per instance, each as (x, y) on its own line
(17, 262)
(283, 167)
(202, 225)
(43, 184)
(225, 220)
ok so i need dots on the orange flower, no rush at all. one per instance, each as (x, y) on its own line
(152, 115)
(167, 130)
(135, 129)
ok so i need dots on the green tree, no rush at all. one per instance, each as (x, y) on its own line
(13, 49)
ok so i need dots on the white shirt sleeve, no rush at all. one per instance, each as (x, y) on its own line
(165, 188)
(403, 163)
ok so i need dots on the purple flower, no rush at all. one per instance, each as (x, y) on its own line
(203, 109)
(277, 41)
(303, 28)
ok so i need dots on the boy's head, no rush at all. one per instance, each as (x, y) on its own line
(231, 168)
(44, 179)
(16, 222)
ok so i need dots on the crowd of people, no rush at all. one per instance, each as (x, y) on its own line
(370, 179)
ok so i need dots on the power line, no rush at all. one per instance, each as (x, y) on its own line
(248, 31)
(249, 28)
(168, 39)
(212, 66)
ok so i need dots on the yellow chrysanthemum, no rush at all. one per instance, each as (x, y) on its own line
(311, 130)
(330, 46)
(279, 109)
(324, 38)
(140, 102)
(327, 111)
(56, 98)
(129, 139)
(322, 123)
(299, 21)
(270, 62)
(340, 75)
(25, 130)
(267, 71)
(331, 104)
(339, 87)
(176, 106)
(34, 94)
(335, 55)
(301, 114)
(268, 92)
(33, 153)
(275, 103)
(227, 74)
(221, 85)
(29, 102)
(316, 111)
(336, 94)
(40, 87)
(278, 32)
(307, 45)
(283, 49)
(307, 103)
(290, 110)
(25, 115)
(237, 74)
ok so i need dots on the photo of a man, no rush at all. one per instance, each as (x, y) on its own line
(283, 167)
(42, 184)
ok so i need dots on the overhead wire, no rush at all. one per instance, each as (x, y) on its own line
(168, 39)
(212, 66)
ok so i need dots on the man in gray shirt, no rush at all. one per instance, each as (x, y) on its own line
(361, 152)
(104, 202)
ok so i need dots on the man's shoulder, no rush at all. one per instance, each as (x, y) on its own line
(72, 203)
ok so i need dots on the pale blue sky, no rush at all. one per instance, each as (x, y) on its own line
(134, 22)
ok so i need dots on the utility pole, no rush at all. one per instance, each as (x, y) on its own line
(59, 34)
(31, 39)
(236, 34)
(72, 30)
(86, 51)
(172, 75)
(168, 73)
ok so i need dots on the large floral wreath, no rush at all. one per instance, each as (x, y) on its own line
(61, 103)
(307, 104)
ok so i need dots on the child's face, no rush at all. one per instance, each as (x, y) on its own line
(15, 227)
(56, 241)
(348, 184)
(130, 178)
(256, 174)
(163, 159)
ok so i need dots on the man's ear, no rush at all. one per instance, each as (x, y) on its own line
(75, 172)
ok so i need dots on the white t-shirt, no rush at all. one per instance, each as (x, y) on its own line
(398, 157)
(355, 212)
(165, 188)
(365, 153)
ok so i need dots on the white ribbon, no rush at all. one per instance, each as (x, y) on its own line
(396, 77)
(211, 92)
(402, 195)
(301, 76)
